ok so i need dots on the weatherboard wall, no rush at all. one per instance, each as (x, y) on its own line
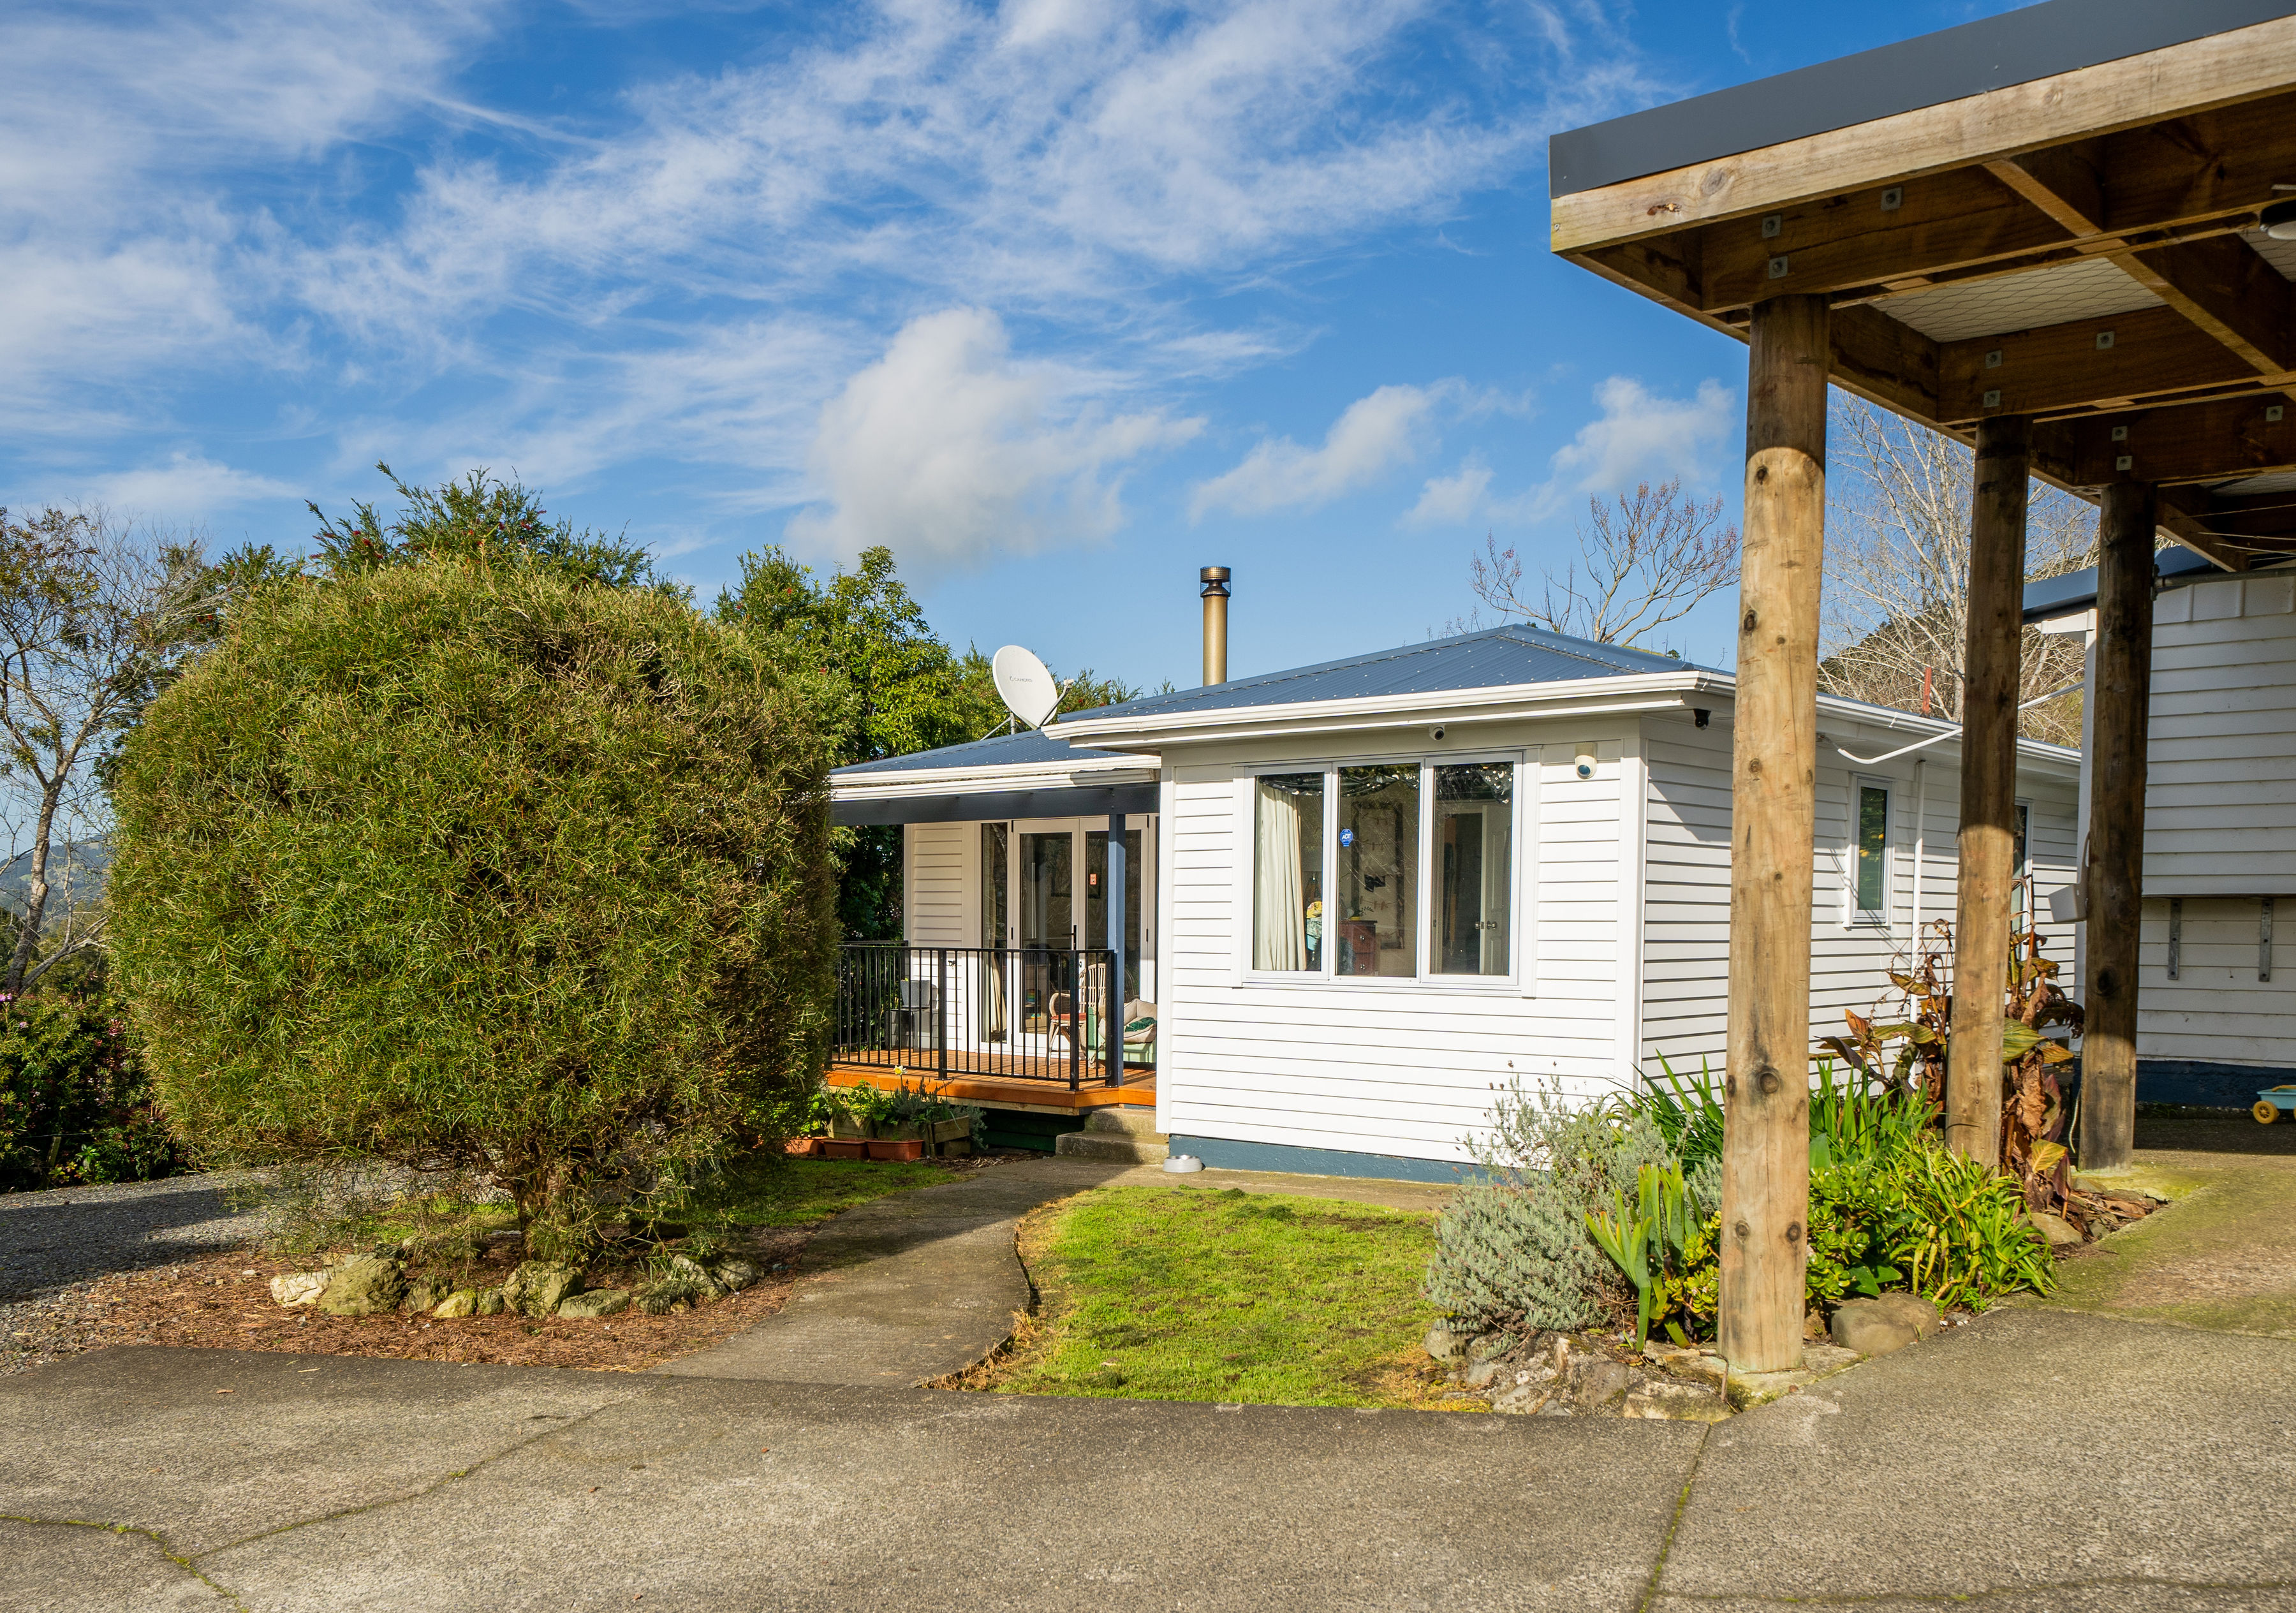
(1686, 879)
(2221, 826)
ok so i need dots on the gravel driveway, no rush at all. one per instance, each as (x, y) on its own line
(53, 1245)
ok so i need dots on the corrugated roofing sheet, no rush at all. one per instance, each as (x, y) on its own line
(1004, 751)
(1492, 659)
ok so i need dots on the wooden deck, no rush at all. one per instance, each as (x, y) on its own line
(1047, 1096)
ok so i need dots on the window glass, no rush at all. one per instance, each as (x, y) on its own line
(1376, 929)
(996, 841)
(1474, 834)
(1872, 849)
(1047, 890)
(1287, 878)
(1095, 903)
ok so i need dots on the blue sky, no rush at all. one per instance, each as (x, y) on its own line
(1059, 300)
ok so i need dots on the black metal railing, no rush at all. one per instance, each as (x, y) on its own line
(1031, 1013)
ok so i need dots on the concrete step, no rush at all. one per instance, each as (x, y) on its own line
(1124, 1134)
(1131, 1119)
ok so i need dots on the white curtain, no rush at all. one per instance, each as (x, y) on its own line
(1279, 921)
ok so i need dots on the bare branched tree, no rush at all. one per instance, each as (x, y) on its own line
(1896, 572)
(93, 615)
(1647, 563)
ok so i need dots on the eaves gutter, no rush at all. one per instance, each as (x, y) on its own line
(1506, 702)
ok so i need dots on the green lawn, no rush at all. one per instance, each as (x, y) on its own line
(1189, 1294)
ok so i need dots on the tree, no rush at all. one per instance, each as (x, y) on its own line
(94, 618)
(1647, 564)
(472, 864)
(480, 516)
(904, 692)
(1897, 573)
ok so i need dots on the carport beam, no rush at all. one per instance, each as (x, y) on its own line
(1774, 763)
(2116, 824)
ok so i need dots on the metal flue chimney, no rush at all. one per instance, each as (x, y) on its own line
(1215, 581)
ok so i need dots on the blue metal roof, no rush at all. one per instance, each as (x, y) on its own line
(1517, 654)
(2173, 567)
(1004, 751)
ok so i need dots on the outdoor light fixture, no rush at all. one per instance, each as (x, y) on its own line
(2279, 220)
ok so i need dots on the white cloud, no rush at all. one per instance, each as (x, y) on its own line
(1449, 500)
(1373, 437)
(1639, 436)
(187, 486)
(948, 451)
(1636, 435)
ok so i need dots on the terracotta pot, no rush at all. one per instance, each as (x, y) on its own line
(897, 1148)
(844, 1148)
(803, 1147)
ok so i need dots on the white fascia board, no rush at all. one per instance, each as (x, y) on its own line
(1579, 697)
(2036, 755)
(1038, 775)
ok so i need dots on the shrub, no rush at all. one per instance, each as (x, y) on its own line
(1512, 1250)
(479, 869)
(75, 1106)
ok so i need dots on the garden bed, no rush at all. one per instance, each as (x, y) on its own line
(1153, 1293)
(225, 1301)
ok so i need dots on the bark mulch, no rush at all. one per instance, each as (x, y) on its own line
(224, 1302)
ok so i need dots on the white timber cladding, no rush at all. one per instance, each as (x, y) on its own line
(2220, 769)
(2220, 824)
(939, 882)
(1395, 1067)
(1686, 879)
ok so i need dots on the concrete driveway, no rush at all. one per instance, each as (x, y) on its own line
(2033, 1460)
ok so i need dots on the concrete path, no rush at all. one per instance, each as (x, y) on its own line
(906, 1289)
(2035, 1461)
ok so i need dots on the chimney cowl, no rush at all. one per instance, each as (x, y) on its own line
(1215, 581)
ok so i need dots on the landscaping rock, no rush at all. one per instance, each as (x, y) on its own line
(462, 1302)
(595, 1303)
(685, 1268)
(299, 1287)
(1597, 1381)
(423, 1293)
(734, 1275)
(1823, 1360)
(1522, 1400)
(2061, 1233)
(1916, 1313)
(1749, 1389)
(1677, 1402)
(1445, 1345)
(538, 1287)
(490, 1302)
(367, 1286)
(1868, 1328)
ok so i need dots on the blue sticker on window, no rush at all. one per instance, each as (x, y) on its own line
(1346, 837)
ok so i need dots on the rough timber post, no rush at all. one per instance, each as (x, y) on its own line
(1774, 764)
(1983, 896)
(2116, 824)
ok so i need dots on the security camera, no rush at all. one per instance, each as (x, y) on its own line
(1436, 732)
(1585, 764)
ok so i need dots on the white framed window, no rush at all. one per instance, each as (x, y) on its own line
(1388, 871)
(1869, 867)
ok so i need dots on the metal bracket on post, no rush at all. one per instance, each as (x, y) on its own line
(2176, 937)
(2264, 942)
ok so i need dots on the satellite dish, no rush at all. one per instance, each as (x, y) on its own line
(1024, 684)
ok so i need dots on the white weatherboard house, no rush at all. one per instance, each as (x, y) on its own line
(1364, 895)
(2215, 1020)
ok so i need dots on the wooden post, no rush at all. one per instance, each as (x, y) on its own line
(2116, 824)
(1983, 891)
(1774, 767)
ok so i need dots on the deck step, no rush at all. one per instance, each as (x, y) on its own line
(1124, 1135)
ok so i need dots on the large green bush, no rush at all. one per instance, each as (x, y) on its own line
(486, 869)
